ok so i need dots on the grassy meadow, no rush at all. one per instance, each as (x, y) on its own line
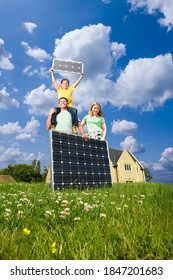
(125, 222)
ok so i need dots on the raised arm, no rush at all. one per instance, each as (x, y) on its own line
(53, 78)
(78, 80)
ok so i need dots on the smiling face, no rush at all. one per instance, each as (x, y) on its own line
(95, 109)
(64, 83)
(63, 103)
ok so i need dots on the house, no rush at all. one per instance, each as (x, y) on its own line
(125, 167)
(6, 178)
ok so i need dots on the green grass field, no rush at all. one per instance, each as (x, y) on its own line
(125, 222)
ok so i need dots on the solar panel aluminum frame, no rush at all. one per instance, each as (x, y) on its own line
(96, 173)
(67, 66)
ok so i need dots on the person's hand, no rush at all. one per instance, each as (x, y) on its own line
(51, 70)
(85, 136)
(52, 111)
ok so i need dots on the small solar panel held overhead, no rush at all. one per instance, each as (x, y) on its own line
(78, 163)
(67, 66)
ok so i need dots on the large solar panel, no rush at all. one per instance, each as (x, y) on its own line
(68, 66)
(78, 163)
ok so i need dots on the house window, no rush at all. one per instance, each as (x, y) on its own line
(127, 167)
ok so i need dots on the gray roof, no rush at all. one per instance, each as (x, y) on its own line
(114, 155)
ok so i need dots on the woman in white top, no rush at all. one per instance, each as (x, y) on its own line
(95, 122)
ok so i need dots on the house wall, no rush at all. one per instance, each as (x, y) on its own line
(6, 178)
(113, 172)
(119, 174)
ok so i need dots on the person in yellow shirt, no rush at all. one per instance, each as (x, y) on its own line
(66, 91)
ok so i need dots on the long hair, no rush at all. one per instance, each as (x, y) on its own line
(100, 110)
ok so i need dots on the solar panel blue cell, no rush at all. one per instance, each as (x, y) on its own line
(76, 162)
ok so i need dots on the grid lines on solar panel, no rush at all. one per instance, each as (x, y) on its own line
(76, 162)
(67, 66)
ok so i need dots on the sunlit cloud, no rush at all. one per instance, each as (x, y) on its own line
(29, 26)
(159, 8)
(36, 53)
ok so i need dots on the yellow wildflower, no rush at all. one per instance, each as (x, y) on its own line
(53, 247)
(26, 231)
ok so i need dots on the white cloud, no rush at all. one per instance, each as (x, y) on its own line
(32, 126)
(36, 53)
(118, 50)
(29, 132)
(91, 45)
(123, 127)
(166, 160)
(15, 155)
(162, 170)
(10, 128)
(149, 88)
(40, 100)
(6, 101)
(132, 145)
(106, 1)
(29, 26)
(42, 72)
(162, 8)
(5, 63)
(1, 41)
(25, 136)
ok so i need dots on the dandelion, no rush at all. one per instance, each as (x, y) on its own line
(142, 196)
(53, 247)
(102, 215)
(26, 231)
(122, 196)
(118, 208)
(125, 206)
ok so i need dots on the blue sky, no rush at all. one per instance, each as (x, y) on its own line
(126, 47)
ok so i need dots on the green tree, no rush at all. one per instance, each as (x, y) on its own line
(20, 172)
(26, 173)
(148, 175)
(44, 174)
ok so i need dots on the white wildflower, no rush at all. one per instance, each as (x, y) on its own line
(102, 215)
(77, 219)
